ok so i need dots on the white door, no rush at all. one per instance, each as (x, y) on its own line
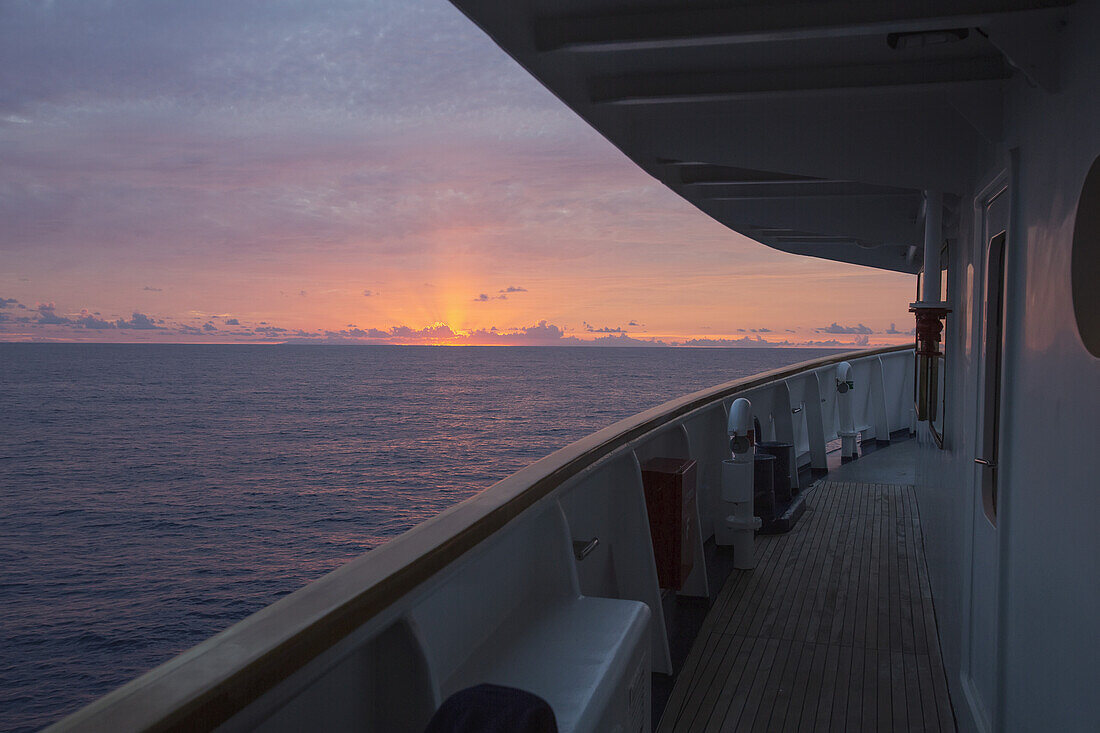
(980, 656)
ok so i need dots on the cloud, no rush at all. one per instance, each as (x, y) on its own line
(47, 316)
(543, 330)
(408, 333)
(893, 330)
(754, 341)
(862, 340)
(835, 327)
(437, 331)
(138, 321)
(5, 302)
(623, 339)
(760, 342)
(513, 289)
(89, 320)
(368, 293)
(302, 293)
(485, 297)
(635, 324)
(152, 289)
(603, 329)
(354, 332)
(78, 326)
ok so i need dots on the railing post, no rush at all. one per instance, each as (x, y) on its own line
(815, 424)
(877, 397)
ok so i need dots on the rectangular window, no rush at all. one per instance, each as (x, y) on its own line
(993, 331)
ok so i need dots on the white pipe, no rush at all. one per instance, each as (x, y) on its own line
(933, 242)
(847, 432)
(739, 527)
(739, 429)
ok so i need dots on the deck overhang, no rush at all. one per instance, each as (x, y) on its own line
(812, 128)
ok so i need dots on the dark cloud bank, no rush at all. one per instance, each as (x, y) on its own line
(43, 322)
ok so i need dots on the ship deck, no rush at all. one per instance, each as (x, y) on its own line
(834, 629)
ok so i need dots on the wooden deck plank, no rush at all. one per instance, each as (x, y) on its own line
(763, 680)
(944, 711)
(731, 618)
(702, 668)
(899, 705)
(837, 595)
(833, 630)
(793, 604)
(760, 678)
(873, 590)
(927, 693)
(882, 618)
(862, 600)
(797, 567)
(826, 697)
(728, 672)
(869, 719)
(762, 715)
(853, 716)
(798, 690)
(884, 700)
(916, 595)
(782, 703)
(689, 676)
(806, 719)
(842, 687)
(731, 697)
(816, 606)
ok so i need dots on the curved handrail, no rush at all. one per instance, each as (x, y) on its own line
(208, 684)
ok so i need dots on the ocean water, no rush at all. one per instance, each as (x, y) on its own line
(152, 495)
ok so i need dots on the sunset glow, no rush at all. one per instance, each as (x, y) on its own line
(360, 180)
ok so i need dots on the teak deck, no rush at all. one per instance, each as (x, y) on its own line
(833, 630)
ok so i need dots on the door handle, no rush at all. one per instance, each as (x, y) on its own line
(582, 548)
(985, 462)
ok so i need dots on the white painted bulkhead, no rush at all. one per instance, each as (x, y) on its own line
(1017, 600)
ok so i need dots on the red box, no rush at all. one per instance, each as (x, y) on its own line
(670, 501)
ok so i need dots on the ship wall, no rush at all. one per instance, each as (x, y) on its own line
(1017, 603)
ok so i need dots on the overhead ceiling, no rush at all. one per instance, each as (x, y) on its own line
(811, 127)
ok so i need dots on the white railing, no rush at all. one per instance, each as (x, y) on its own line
(378, 643)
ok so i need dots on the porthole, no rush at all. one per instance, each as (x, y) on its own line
(1085, 263)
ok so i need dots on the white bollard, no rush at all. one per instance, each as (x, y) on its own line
(739, 528)
(847, 431)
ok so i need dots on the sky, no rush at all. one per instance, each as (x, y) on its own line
(355, 172)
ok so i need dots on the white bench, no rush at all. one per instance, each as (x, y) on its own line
(512, 614)
(581, 656)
